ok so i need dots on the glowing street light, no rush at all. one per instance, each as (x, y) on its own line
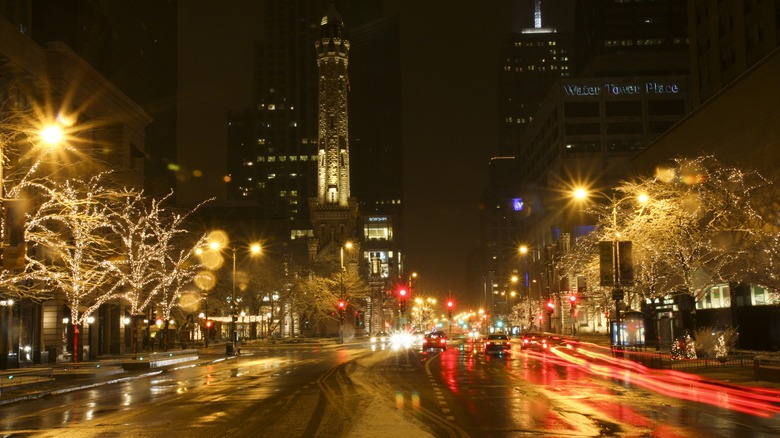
(52, 135)
(253, 249)
(615, 246)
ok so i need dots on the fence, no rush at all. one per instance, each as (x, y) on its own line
(657, 360)
(767, 368)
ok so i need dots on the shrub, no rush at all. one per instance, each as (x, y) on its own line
(708, 344)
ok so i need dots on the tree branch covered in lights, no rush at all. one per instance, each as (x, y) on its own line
(148, 234)
(700, 226)
(69, 234)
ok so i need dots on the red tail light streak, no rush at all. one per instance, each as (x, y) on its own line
(762, 402)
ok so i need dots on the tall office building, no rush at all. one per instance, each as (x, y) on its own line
(277, 169)
(627, 85)
(727, 39)
(631, 38)
(530, 61)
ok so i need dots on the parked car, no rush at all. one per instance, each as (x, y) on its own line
(435, 340)
(497, 342)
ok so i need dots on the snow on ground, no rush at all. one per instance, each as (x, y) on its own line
(381, 417)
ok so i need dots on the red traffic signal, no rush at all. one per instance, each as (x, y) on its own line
(550, 305)
(209, 323)
(342, 305)
(573, 299)
(450, 304)
(402, 293)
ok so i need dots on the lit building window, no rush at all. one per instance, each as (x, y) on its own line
(293, 158)
(260, 141)
(271, 175)
(271, 159)
(271, 107)
(260, 159)
(283, 158)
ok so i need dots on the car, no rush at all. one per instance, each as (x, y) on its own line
(380, 338)
(435, 340)
(497, 342)
(554, 339)
(533, 340)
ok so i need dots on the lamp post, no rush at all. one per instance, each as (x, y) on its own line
(613, 250)
(523, 249)
(230, 347)
(404, 296)
(342, 295)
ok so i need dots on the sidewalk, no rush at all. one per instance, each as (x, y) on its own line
(729, 375)
(38, 381)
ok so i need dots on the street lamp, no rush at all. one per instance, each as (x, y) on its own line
(523, 250)
(254, 248)
(342, 295)
(613, 250)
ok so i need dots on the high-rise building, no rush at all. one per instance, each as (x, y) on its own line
(627, 84)
(530, 61)
(277, 168)
(727, 38)
(637, 38)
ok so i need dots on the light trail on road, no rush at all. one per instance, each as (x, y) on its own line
(762, 402)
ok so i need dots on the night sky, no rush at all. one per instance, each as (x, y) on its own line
(449, 61)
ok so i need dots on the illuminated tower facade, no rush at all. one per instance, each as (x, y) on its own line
(333, 212)
(333, 127)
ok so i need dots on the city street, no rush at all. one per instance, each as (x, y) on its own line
(353, 390)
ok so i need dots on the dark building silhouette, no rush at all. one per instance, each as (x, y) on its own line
(134, 45)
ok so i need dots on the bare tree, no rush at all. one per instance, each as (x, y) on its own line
(74, 254)
(148, 265)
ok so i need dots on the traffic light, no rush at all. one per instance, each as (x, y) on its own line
(342, 309)
(209, 323)
(573, 301)
(402, 296)
(550, 306)
(450, 304)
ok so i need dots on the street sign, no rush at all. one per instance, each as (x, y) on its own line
(625, 264)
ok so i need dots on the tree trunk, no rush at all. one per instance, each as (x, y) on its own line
(165, 335)
(76, 352)
(134, 334)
